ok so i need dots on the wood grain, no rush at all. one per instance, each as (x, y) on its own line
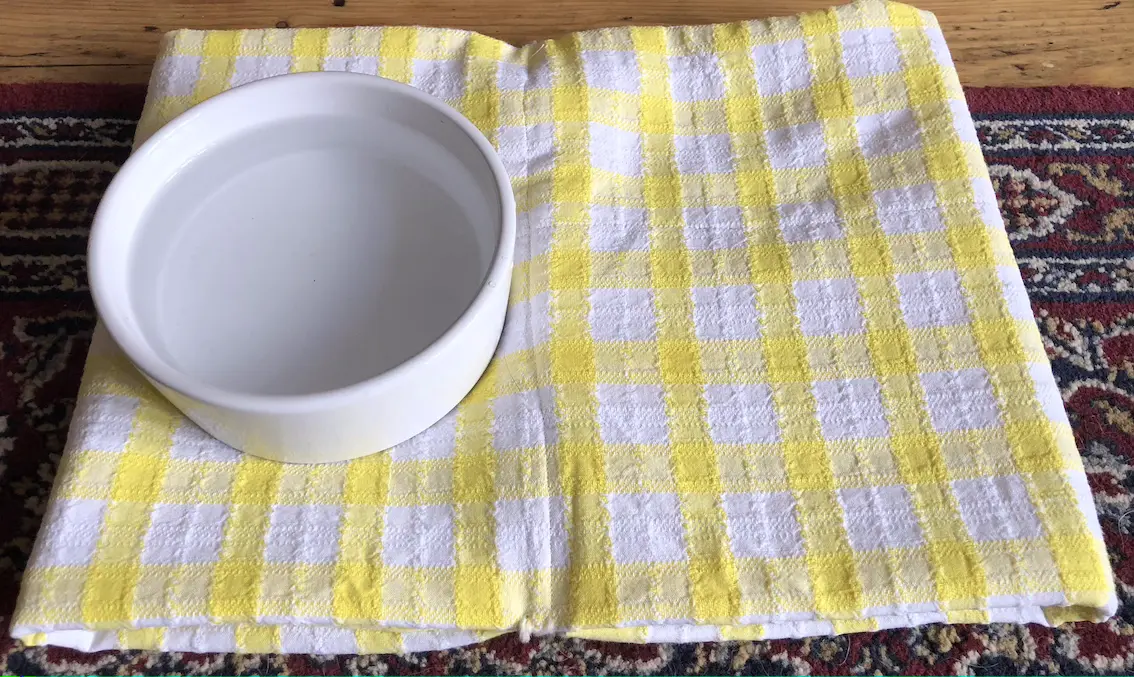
(994, 42)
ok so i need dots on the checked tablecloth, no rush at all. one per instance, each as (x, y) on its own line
(769, 370)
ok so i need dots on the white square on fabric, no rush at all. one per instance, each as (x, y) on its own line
(782, 67)
(70, 532)
(633, 414)
(540, 76)
(960, 400)
(527, 325)
(367, 65)
(829, 307)
(336, 64)
(528, 150)
(619, 314)
(303, 533)
(888, 133)
(419, 536)
(810, 221)
(703, 154)
(178, 74)
(317, 639)
(646, 528)
(103, 422)
(742, 414)
(511, 77)
(443, 79)
(963, 122)
(1015, 295)
(910, 209)
(870, 51)
(1047, 392)
(997, 508)
(851, 409)
(438, 441)
(615, 150)
(725, 313)
(932, 299)
(619, 229)
(525, 529)
(696, 78)
(682, 634)
(190, 443)
(437, 640)
(534, 229)
(763, 525)
(246, 69)
(714, 228)
(878, 518)
(984, 196)
(525, 420)
(184, 534)
(612, 70)
(201, 639)
(540, 148)
(939, 47)
(797, 147)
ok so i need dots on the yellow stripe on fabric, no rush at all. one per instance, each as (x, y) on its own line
(396, 50)
(357, 595)
(638, 635)
(481, 101)
(379, 641)
(830, 565)
(313, 583)
(34, 639)
(477, 581)
(308, 49)
(1002, 341)
(710, 568)
(1088, 610)
(180, 49)
(365, 41)
(742, 633)
(218, 57)
(236, 586)
(889, 343)
(1042, 449)
(591, 598)
(51, 596)
(143, 639)
(339, 45)
(111, 586)
(957, 569)
(753, 181)
(853, 625)
(257, 638)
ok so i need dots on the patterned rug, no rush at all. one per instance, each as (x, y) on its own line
(1062, 162)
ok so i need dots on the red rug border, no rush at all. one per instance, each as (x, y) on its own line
(126, 100)
(1054, 100)
(72, 97)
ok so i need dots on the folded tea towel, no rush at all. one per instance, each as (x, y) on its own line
(769, 370)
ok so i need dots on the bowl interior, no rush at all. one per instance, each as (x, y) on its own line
(310, 251)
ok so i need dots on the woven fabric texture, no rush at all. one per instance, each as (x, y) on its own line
(769, 370)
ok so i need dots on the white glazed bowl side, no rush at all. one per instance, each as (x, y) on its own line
(368, 416)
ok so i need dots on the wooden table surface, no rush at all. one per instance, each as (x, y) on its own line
(1023, 43)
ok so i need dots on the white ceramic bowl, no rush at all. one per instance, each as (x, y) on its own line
(312, 267)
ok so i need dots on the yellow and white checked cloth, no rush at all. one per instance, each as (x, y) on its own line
(769, 370)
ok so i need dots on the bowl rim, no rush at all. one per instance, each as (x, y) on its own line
(139, 351)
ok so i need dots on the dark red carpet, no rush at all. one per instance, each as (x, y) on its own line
(1063, 164)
